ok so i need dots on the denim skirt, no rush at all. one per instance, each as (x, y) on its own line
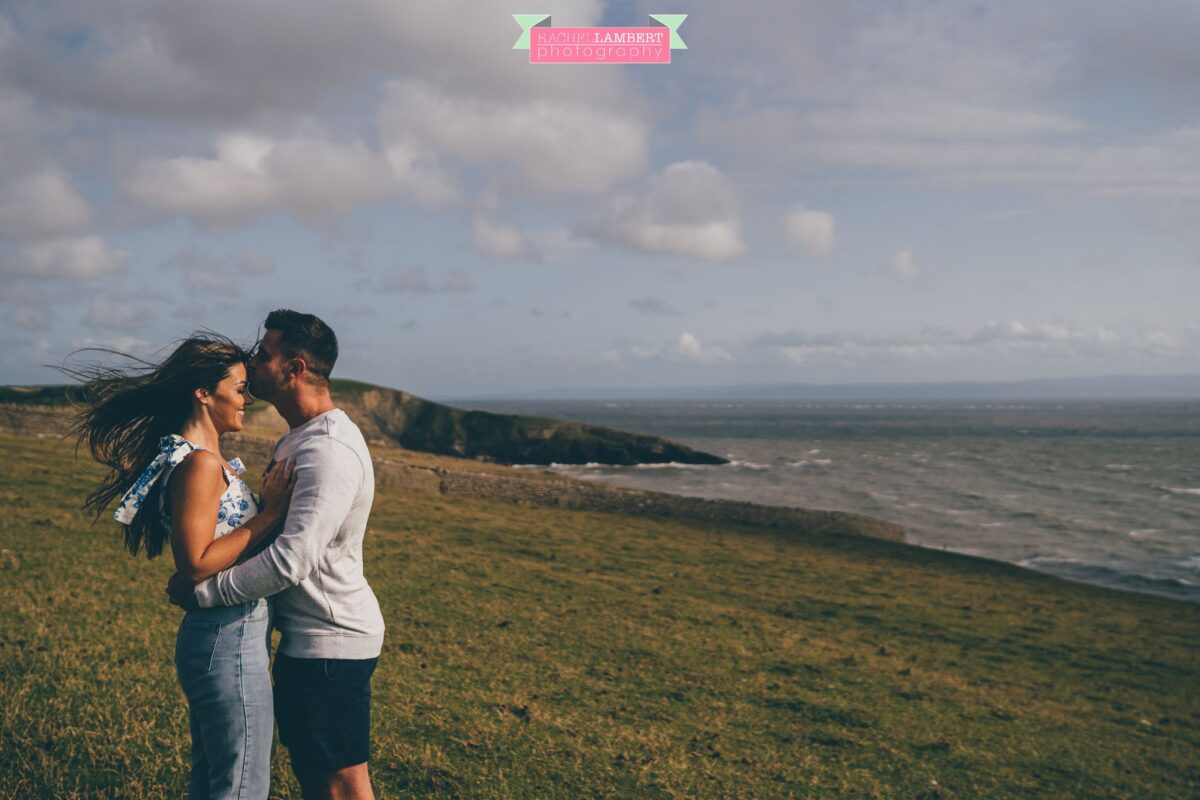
(222, 658)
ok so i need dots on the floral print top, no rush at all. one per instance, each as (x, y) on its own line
(237, 502)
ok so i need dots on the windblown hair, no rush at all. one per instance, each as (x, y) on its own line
(127, 411)
(305, 336)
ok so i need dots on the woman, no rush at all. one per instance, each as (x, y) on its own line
(159, 434)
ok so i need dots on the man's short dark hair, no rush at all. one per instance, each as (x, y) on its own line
(305, 336)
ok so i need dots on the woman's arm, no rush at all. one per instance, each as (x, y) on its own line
(196, 487)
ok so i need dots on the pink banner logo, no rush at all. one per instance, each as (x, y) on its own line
(599, 46)
(649, 45)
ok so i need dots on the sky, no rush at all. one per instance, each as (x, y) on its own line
(811, 192)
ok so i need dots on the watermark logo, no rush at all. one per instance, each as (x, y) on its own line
(649, 45)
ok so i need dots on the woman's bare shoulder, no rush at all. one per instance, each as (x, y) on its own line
(198, 469)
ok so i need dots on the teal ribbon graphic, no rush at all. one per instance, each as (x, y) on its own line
(527, 21)
(671, 21)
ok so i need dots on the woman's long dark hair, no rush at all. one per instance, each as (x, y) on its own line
(127, 411)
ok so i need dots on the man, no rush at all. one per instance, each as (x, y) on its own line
(332, 630)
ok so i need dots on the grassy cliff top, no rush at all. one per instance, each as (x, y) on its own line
(419, 424)
(546, 653)
(48, 395)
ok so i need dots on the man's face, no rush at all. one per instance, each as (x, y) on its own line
(268, 368)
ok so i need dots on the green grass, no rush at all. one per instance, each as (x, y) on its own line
(345, 387)
(55, 396)
(538, 653)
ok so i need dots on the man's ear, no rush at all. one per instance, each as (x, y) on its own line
(298, 367)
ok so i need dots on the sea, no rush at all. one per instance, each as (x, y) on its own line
(1105, 493)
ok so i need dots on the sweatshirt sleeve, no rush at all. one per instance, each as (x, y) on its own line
(328, 475)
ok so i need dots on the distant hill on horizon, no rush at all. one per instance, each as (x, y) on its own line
(1101, 387)
(419, 424)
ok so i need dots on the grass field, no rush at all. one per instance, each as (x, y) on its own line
(536, 653)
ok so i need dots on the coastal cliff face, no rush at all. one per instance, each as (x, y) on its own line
(415, 423)
(418, 424)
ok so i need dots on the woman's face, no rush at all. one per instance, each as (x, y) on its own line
(229, 401)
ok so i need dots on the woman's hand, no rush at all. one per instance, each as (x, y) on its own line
(182, 592)
(195, 496)
(276, 490)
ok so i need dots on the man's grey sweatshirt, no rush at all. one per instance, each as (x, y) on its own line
(313, 570)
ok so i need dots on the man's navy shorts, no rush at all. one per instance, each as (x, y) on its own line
(323, 709)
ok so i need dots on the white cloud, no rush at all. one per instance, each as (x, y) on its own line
(686, 348)
(654, 306)
(933, 119)
(1042, 95)
(251, 264)
(225, 63)
(117, 312)
(409, 280)
(1154, 58)
(810, 230)
(499, 240)
(130, 345)
(415, 280)
(27, 304)
(555, 145)
(356, 310)
(320, 178)
(457, 282)
(904, 266)
(314, 178)
(82, 258)
(1093, 340)
(559, 242)
(689, 209)
(689, 348)
(419, 175)
(228, 188)
(30, 318)
(994, 342)
(205, 273)
(42, 204)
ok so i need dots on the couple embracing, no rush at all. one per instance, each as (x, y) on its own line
(291, 559)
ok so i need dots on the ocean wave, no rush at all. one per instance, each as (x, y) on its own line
(810, 462)
(674, 465)
(1090, 572)
(748, 465)
(1120, 467)
(1142, 533)
(1066, 560)
(1177, 490)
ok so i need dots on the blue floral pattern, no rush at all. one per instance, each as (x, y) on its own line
(237, 502)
